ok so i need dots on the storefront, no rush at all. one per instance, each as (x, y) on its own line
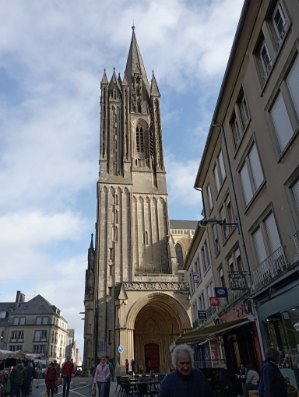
(225, 345)
(279, 321)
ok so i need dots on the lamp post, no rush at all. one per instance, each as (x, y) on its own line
(204, 222)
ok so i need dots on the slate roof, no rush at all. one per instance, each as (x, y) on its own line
(182, 224)
(36, 305)
(6, 307)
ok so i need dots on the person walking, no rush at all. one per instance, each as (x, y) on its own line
(111, 369)
(67, 371)
(27, 384)
(272, 382)
(133, 366)
(185, 380)
(102, 376)
(252, 379)
(17, 377)
(127, 365)
(50, 379)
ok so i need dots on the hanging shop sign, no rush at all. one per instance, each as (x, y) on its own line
(196, 277)
(202, 314)
(237, 281)
(221, 292)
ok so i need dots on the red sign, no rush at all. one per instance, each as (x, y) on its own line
(214, 301)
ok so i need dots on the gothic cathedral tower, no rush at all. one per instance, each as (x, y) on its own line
(136, 299)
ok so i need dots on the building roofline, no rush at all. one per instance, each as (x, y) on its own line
(223, 86)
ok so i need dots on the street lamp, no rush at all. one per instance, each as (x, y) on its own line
(204, 222)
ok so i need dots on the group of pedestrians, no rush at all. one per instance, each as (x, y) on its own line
(18, 382)
(55, 376)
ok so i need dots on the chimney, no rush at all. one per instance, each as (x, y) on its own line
(20, 298)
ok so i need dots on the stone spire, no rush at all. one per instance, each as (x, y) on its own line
(154, 87)
(135, 64)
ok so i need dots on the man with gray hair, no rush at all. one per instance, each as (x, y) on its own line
(185, 381)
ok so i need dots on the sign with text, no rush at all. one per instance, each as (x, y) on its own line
(196, 277)
(237, 281)
(202, 314)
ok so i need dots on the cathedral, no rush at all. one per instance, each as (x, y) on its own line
(136, 296)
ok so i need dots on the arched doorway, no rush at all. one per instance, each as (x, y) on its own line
(156, 327)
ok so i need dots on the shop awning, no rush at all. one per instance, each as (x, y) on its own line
(199, 334)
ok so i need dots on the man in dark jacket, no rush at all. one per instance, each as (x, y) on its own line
(272, 383)
(185, 380)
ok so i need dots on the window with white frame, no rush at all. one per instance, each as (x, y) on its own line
(205, 257)
(197, 272)
(210, 290)
(226, 214)
(15, 348)
(234, 261)
(221, 276)
(16, 335)
(240, 118)
(266, 238)
(210, 198)
(40, 335)
(42, 320)
(191, 283)
(251, 174)
(244, 109)
(219, 171)
(19, 320)
(236, 129)
(201, 302)
(265, 58)
(38, 349)
(279, 21)
(293, 86)
(281, 121)
(284, 111)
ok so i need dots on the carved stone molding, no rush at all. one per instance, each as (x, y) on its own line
(157, 286)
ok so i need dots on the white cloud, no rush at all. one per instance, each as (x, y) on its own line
(180, 181)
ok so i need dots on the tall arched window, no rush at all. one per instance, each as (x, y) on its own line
(179, 255)
(139, 139)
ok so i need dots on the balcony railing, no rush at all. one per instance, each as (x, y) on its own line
(270, 268)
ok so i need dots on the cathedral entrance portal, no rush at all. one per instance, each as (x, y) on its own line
(156, 327)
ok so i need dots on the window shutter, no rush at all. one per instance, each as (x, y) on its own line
(259, 245)
(256, 168)
(282, 124)
(247, 190)
(272, 233)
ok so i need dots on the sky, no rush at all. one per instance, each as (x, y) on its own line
(52, 57)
